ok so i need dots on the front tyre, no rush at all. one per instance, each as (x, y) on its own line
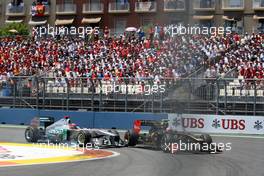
(206, 145)
(132, 138)
(165, 143)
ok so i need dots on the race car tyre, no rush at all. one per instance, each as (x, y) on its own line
(132, 138)
(214, 149)
(31, 134)
(207, 138)
(83, 138)
(206, 144)
(165, 143)
(219, 150)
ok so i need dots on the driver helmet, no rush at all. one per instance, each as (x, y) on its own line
(169, 130)
(164, 123)
(67, 118)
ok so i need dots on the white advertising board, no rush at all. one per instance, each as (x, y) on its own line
(217, 123)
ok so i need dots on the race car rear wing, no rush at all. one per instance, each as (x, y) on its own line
(150, 122)
(146, 123)
(46, 121)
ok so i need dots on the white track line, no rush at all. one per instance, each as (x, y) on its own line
(115, 154)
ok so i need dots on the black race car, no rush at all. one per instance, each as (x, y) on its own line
(161, 138)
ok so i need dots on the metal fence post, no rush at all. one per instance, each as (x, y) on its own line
(68, 96)
(144, 102)
(255, 98)
(217, 96)
(161, 102)
(37, 83)
(93, 90)
(126, 98)
(225, 97)
(20, 92)
(15, 92)
(44, 93)
(189, 94)
(82, 88)
(152, 103)
(101, 98)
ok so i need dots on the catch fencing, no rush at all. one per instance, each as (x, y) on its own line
(185, 95)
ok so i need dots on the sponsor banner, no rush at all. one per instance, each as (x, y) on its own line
(217, 123)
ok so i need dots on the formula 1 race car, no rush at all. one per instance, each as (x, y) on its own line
(44, 129)
(161, 138)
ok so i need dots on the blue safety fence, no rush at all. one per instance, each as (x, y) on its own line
(83, 119)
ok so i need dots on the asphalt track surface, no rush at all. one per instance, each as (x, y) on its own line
(245, 159)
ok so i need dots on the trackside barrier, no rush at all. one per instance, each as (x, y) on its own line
(180, 122)
(83, 119)
(217, 123)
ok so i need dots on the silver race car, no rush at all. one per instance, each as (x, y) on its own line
(45, 129)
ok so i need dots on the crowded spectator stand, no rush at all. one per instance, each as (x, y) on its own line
(136, 58)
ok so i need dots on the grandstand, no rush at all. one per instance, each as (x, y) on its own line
(213, 75)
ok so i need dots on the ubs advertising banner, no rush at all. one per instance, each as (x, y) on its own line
(217, 123)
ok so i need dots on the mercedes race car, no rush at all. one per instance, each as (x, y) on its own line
(160, 137)
(44, 129)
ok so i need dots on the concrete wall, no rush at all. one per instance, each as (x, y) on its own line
(83, 119)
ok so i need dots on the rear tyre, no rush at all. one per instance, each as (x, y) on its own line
(207, 138)
(83, 138)
(206, 144)
(31, 134)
